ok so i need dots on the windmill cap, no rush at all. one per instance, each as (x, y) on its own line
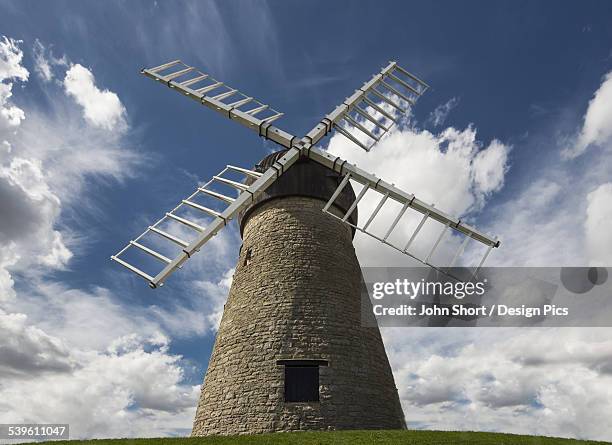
(305, 178)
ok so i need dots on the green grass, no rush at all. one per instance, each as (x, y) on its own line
(348, 438)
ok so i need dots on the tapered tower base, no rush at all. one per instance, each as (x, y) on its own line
(295, 303)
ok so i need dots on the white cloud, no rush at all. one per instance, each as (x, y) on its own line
(208, 310)
(10, 60)
(597, 126)
(205, 279)
(550, 220)
(102, 108)
(27, 351)
(552, 382)
(120, 379)
(490, 167)
(538, 228)
(553, 216)
(450, 169)
(11, 114)
(28, 230)
(59, 253)
(66, 313)
(71, 152)
(530, 382)
(134, 388)
(10, 70)
(50, 158)
(31, 206)
(438, 116)
(7, 260)
(597, 225)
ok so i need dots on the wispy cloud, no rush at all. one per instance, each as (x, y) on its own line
(438, 116)
(597, 125)
(45, 62)
(216, 36)
(598, 217)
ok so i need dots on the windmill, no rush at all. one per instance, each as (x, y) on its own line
(291, 352)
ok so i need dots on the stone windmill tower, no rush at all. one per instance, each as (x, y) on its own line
(292, 352)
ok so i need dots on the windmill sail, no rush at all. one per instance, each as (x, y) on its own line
(203, 222)
(214, 94)
(366, 116)
(387, 194)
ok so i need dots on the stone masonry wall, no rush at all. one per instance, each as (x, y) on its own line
(297, 297)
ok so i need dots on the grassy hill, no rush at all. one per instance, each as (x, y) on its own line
(350, 438)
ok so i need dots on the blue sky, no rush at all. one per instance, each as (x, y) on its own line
(518, 80)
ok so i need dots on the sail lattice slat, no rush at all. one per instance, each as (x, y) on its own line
(369, 114)
(187, 227)
(214, 94)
